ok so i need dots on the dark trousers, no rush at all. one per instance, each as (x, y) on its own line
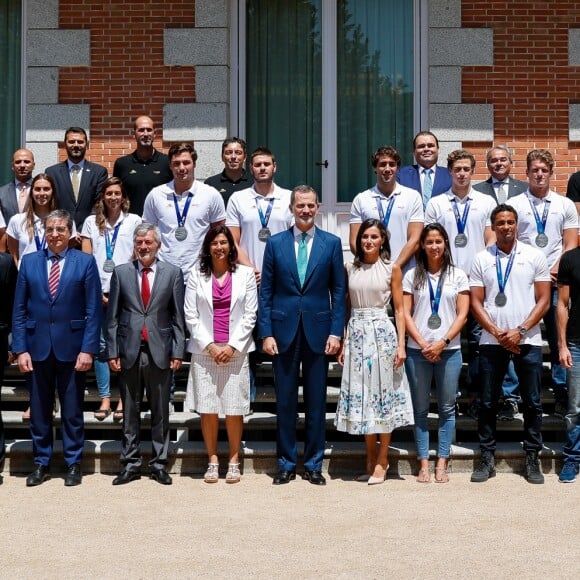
(50, 375)
(3, 357)
(144, 374)
(286, 374)
(493, 364)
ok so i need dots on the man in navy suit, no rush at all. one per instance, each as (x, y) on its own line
(428, 178)
(55, 334)
(78, 181)
(301, 320)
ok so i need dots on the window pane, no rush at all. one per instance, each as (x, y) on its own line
(10, 43)
(375, 87)
(284, 86)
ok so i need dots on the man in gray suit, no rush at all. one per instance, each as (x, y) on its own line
(500, 185)
(503, 187)
(14, 195)
(145, 341)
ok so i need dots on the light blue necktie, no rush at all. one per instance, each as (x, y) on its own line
(427, 187)
(302, 261)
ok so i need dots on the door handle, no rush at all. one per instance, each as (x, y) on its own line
(323, 164)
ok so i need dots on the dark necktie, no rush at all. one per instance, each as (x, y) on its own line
(145, 296)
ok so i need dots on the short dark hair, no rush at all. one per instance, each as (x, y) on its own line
(76, 130)
(179, 148)
(542, 155)
(205, 256)
(231, 140)
(388, 151)
(502, 207)
(459, 154)
(262, 151)
(385, 252)
(425, 134)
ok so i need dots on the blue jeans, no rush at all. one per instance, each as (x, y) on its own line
(558, 371)
(420, 373)
(102, 372)
(493, 364)
(572, 446)
(511, 384)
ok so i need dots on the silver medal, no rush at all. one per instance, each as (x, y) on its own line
(460, 241)
(434, 321)
(500, 299)
(108, 266)
(180, 234)
(541, 240)
(264, 234)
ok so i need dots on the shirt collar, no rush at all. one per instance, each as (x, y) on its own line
(140, 266)
(298, 233)
(62, 255)
(378, 193)
(70, 164)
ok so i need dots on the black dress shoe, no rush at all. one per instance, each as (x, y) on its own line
(314, 477)
(161, 476)
(41, 473)
(283, 477)
(126, 476)
(74, 475)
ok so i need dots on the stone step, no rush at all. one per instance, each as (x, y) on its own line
(341, 459)
(266, 421)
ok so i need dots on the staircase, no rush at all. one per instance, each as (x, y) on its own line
(345, 454)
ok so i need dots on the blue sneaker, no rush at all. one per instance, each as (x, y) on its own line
(569, 472)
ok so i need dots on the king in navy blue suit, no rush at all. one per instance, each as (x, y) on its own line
(301, 319)
(55, 338)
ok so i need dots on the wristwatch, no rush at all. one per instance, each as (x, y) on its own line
(445, 340)
(522, 330)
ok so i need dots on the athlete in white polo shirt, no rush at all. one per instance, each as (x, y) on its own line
(548, 221)
(510, 292)
(183, 209)
(258, 212)
(400, 208)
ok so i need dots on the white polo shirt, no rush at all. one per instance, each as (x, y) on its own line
(562, 215)
(123, 251)
(440, 209)
(529, 266)
(454, 282)
(242, 212)
(407, 208)
(206, 207)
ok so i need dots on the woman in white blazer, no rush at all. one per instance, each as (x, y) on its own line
(221, 301)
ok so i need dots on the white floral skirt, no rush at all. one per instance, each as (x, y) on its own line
(374, 396)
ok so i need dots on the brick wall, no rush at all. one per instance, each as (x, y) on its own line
(127, 76)
(530, 83)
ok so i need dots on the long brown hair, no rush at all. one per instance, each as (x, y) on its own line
(52, 204)
(101, 208)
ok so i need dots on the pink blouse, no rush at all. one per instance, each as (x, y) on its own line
(222, 298)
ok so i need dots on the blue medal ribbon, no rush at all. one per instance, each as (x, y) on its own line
(40, 242)
(264, 219)
(502, 280)
(540, 223)
(435, 296)
(461, 221)
(385, 217)
(181, 216)
(110, 243)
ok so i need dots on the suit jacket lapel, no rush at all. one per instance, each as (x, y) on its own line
(65, 272)
(206, 283)
(316, 253)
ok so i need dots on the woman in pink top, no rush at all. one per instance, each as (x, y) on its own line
(221, 301)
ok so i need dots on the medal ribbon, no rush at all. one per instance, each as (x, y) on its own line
(435, 297)
(110, 243)
(385, 217)
(502, 281)
(264, 219)
(40, 242)
(181, 216)
(540, 224)
(461, 221)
